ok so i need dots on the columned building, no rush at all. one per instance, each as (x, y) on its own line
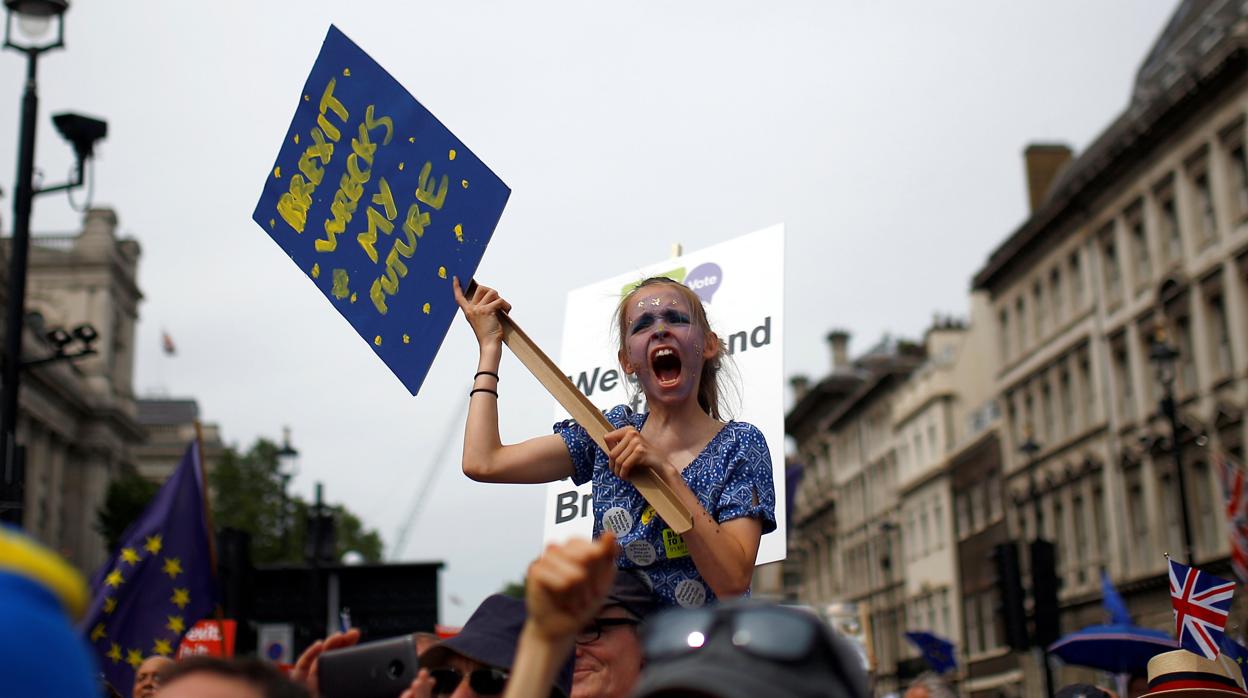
(846, 541)
(1144, 235)
(77, 420)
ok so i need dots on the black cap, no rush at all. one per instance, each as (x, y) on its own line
(490, 637)
(631, 593)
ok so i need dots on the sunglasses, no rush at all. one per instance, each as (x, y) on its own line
(487, 681)
(769, 632)
(592, 632)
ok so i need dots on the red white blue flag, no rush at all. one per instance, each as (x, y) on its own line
(1235, 499)
(1201, 603)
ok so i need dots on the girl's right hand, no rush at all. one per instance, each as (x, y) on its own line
(481, 311)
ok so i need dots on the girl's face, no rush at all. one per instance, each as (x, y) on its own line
(662, 345)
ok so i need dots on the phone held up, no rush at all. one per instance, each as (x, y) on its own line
(380, 669)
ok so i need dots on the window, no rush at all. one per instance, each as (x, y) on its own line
(1126, 387)
(1221, 344)
(1060, 545)
(1076, 280)
(1187, 356)
(1171, 233)
(925, 531)
(1055, 295)
(945, 627)
(1139, 240)
(1239, 177)
(1003, 334)
(993, 495)
(1066, 395)
(1037, 292)
(1098, 522)
(1169, 510)
(1113, 270)
(1046, 404)
(987, 615)
(938, 522)
(1081, 540)
(1020, 317)
(978, 515)
(963, 504)
(1089, 390)
(1139, 522)
(1207, 220)
(974, 633)
(1203, 510)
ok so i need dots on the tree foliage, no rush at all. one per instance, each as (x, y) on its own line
(125, 500)
(246, 494)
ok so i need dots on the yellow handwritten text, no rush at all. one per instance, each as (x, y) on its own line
(294, 204)
(351, 186)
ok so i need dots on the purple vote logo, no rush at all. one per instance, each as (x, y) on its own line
(704, 280)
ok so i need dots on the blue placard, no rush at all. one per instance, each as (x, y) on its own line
(380, 205)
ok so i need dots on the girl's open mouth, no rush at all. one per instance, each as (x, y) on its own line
(665, 363)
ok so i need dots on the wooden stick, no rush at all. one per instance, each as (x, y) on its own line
(674, 513)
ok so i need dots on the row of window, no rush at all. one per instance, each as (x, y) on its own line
(925, 527)
(930, 612)
(1055, 402)
(978, 505)
(1180, 212)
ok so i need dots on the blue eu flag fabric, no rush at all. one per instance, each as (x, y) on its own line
(158, 584)
(1113, 603)
(1236, 653)
(937, 651)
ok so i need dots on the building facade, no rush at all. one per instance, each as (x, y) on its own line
(77, 421)
(1146, 232)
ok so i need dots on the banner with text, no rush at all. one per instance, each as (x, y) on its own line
(365, 176)
(741, 283)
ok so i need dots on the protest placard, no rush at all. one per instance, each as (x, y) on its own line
(379, 204)
(741, 284)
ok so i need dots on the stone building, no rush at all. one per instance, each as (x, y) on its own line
(1145, 230)
(846, 543)
(77, 420)
(170, 425)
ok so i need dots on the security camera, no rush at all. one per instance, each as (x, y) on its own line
(81, 131)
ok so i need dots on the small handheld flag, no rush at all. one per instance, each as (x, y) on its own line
(1112, 601)
(158, 584)
(937, 651)
(1202, 603)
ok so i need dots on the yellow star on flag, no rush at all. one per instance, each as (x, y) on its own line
(110, 604)
(181, 597)
(153, 544)
(97, 632)
(176, 624)
(114, 653)
(114, 579)
(162, 648)
(130, 555)
(134, 658)
(173, 567)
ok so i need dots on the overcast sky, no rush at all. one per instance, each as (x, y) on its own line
(887, 136)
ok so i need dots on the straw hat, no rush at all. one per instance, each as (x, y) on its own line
(1181, 674)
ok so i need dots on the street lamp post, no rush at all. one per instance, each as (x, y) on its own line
(33, 19)
(287, 468)
(1163, 357)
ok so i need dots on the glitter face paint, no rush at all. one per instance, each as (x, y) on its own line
(663, 346)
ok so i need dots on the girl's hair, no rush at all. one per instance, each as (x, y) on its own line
(709, 380)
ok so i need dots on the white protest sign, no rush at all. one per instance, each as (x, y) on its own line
(741, 283)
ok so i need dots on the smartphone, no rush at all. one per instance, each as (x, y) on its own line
(380, 669)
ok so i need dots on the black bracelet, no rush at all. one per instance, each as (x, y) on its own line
(474, 391)
(485, 373)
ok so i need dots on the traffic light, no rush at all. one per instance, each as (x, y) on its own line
(1044, 586)
(1009, 583)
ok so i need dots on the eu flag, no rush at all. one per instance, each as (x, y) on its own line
(159, 583)
(937, 651)
(1236, 653)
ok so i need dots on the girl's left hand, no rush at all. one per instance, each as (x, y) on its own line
(630, 452)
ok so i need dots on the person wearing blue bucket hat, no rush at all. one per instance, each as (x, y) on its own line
(41, 653)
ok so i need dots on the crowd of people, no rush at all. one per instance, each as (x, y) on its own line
(639, 610)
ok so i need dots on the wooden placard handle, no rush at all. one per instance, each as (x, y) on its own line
(657, 493)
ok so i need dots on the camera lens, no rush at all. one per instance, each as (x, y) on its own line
(395, 669)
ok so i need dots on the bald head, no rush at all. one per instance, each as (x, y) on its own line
(147, 676)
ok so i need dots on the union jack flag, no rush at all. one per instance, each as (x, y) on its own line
(1201, 603)
(1235, 497)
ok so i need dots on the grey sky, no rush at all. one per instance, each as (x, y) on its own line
(887, 136)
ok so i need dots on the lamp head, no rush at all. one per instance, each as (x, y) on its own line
(34, 19)
(86, 334)
(59, 338)
(81, 131)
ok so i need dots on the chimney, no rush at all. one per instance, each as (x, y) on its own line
(1044, 162)
(800, 385)
(838, 340)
